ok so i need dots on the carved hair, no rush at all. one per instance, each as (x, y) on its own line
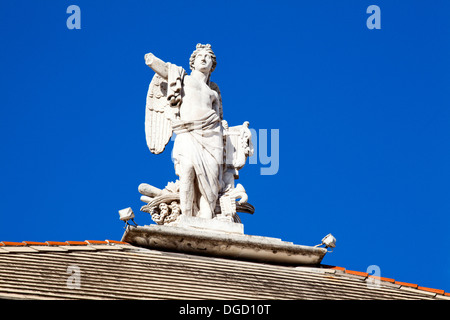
(208, 49)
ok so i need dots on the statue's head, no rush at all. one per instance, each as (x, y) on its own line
(203, 58)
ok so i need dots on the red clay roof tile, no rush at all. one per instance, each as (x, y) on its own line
(35, 243)
(77, 243)
(96, 242)
(10, 243)
(56, 243)
(358, 273)
(431, 290)
(382, 279)
(406, 284)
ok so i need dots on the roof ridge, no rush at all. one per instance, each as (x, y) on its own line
(48, 246)
(61, 243)
(60, 246)
(365, 275)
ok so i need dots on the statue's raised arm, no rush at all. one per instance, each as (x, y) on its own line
(160, 67)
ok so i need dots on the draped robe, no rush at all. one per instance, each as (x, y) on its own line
(198, 144)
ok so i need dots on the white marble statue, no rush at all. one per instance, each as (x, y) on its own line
(207, 153)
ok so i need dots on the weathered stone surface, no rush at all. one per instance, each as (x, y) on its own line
(208, 224)
(222, 244)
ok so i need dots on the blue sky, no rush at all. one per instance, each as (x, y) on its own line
(363, 118)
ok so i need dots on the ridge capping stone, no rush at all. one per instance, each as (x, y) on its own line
(221, 244)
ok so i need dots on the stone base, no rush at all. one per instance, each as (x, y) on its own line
(208, 224)
(222, 244)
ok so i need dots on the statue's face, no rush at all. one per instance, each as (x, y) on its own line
(203, 62)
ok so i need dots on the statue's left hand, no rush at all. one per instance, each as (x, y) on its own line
(225, 124)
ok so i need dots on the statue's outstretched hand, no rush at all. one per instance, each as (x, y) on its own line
(159, 66)
(149, 58)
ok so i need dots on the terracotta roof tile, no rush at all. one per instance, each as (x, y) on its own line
(96, 242)
(406, 284)
(77, 243)
(358, 273)
(56, 243)
(34, 243)
(61, 243)
(382, 278)
(431, 290)
(10, 243)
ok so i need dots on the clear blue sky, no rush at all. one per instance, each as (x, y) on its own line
(363, 118)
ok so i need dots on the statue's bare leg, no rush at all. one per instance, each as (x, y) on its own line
(187, 176)
(204, 208)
